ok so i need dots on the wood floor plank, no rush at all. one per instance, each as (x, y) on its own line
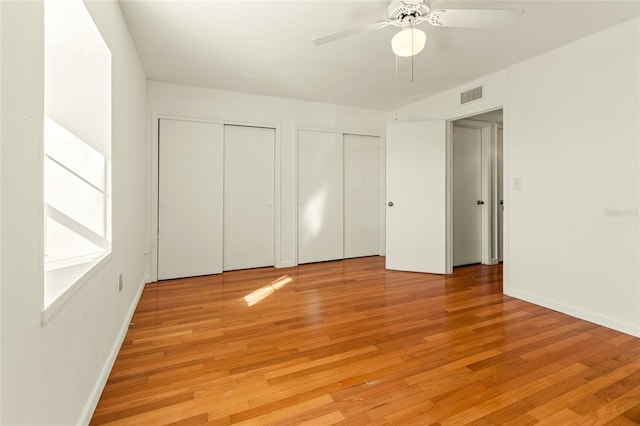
(348, 342)
(291, 413)
(613, 409)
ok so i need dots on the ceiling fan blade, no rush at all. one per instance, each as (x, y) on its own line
(348, 33)
(475, 18)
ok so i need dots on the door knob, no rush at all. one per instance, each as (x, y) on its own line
(479, 202)
(501, 202)
(390, 204)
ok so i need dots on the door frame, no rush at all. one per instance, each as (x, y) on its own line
(487, 244)
(499, 208)
(152, 231)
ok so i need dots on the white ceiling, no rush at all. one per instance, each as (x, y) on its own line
(265, 47)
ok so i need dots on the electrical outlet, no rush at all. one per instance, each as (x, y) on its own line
(120, 283)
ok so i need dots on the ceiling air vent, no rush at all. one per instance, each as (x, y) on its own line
(471, 95)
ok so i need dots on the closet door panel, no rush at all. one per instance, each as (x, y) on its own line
(320, 196)
(189, 199)
(249, 190)
(361, 195)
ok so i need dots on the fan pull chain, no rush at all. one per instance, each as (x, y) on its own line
(412, 52)
(397, 100)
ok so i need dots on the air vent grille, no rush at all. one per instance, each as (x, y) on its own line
(471, 95)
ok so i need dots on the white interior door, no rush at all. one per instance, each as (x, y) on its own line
(361, 195)
(467, 192)
(500, 196)
(416, 187)
(320, 196)
(249, 176)
(189, 199)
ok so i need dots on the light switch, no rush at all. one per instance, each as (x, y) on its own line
(517, 183)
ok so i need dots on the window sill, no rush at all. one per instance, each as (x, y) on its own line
(62, 283)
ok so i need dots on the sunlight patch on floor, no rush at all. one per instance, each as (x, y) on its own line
(263, 292)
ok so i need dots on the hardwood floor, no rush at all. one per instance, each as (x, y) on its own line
(348, 342)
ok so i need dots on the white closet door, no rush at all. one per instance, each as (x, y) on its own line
(249, 176)
(361, 195)
(320, 196)
(189, 199)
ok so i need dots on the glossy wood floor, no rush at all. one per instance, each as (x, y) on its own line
(348, 342)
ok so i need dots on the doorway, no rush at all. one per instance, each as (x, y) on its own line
(477, 189)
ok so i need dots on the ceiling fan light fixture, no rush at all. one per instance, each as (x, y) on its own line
(408, 42)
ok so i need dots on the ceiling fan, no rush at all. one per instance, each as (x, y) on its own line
(409, 13)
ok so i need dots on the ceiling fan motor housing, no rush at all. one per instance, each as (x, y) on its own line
(399, 9)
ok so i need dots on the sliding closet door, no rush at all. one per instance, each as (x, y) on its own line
(189, 199)
(320, 196)
(249, 175)
(361, 195)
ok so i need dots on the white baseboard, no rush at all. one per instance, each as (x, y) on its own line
(632, 329)
(96, 392)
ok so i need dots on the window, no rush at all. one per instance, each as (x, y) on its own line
(77, 146)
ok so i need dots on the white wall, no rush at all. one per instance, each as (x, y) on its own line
(288, 114)
(0, 215)
(573, 139)
(53, 374)
(572, 133)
